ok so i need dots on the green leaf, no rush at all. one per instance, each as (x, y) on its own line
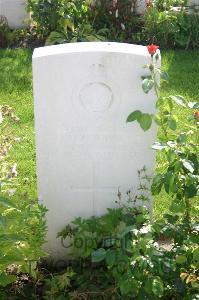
(188, 165)
(145, 121)
(178, 207)
(93, 38)
(191, 191)
(172, 123)
(194, 159)
(3, 221)
(182, 138)
(6, 202)
(129, 286)
(110, 257)
(98, 255)
(158, 119)
(177, 166)
(157, 184)
(11, 238)
(6, 279)
(164, 75)
(12, 258)
(170, 155)
(55, 38)
(135, 115)
(125, 287)
(158, 287)
(69, 23)
(194, 105)
(179, 100)
(196, 255)
(159, 146)
(147, 85)
(181, 259)
(146, 77)
(127, 229)
(168, 181)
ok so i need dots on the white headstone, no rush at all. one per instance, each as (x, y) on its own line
(85, 149)
(141, 6)
(15, 12)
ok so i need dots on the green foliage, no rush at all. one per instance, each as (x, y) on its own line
(167, 23)
(25, 38)
(180, 180)
(120, 252)
(105, 244)
(118, 18)
(16, 37)
(167, 4)
(70, 34)
(63, 21)
(147, 84)
(164, 22)
(170, 28)
(48, 15)
(120, 257)
(22, 225)
(57, 286)
(180, 177)
(145, 120)
(22, 233)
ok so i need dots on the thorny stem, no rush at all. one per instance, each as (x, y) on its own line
(164, 128)
(187, 213)
(154, 73)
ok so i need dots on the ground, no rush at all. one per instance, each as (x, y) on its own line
(16, 91)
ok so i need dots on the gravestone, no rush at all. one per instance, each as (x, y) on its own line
(83, 94)
(15, 12)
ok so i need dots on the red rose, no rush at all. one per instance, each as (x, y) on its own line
(196, 115)
(152, 49)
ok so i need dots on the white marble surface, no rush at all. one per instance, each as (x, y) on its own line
(83, 94)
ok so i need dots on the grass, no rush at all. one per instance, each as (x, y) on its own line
(16, 91)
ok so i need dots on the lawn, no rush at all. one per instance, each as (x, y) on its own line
(16, 91)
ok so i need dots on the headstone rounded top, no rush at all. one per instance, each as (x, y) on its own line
(107, 47)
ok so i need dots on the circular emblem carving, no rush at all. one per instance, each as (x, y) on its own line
(96, 97)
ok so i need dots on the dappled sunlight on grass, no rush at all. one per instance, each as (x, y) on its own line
(16, 91)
